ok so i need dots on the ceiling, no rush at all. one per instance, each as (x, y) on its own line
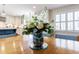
(20, 9)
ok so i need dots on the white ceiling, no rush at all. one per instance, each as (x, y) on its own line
(20, 9)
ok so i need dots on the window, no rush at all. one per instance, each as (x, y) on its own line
(63, 23)
(63, 26)
(68, 21)
(60, 22)
(69, 26)
(57, 26)
(57, 18)
(76, 23)
(76, 15)
(70, 16)
(63, 17)
(57, 22)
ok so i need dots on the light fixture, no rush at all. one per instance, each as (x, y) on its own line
(34, 7)
(3, 13)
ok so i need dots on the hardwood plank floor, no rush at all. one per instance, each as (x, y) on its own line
(18, 45)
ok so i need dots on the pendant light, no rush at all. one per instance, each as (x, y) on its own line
(3, 14)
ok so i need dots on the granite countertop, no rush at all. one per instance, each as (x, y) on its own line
(7, 28)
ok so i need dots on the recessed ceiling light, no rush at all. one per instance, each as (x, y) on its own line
(34, 7)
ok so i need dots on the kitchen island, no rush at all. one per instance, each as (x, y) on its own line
(7, 32)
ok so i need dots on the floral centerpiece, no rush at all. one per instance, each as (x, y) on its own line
(37, 28)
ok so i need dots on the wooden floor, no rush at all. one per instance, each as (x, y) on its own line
(18, 45)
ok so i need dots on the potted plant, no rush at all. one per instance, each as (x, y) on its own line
(37, 28)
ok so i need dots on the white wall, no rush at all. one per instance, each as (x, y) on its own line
(65, 9)
(15, 20)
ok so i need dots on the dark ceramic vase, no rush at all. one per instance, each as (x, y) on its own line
(37, 38)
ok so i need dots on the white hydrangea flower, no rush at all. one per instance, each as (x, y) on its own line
(40, 25)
